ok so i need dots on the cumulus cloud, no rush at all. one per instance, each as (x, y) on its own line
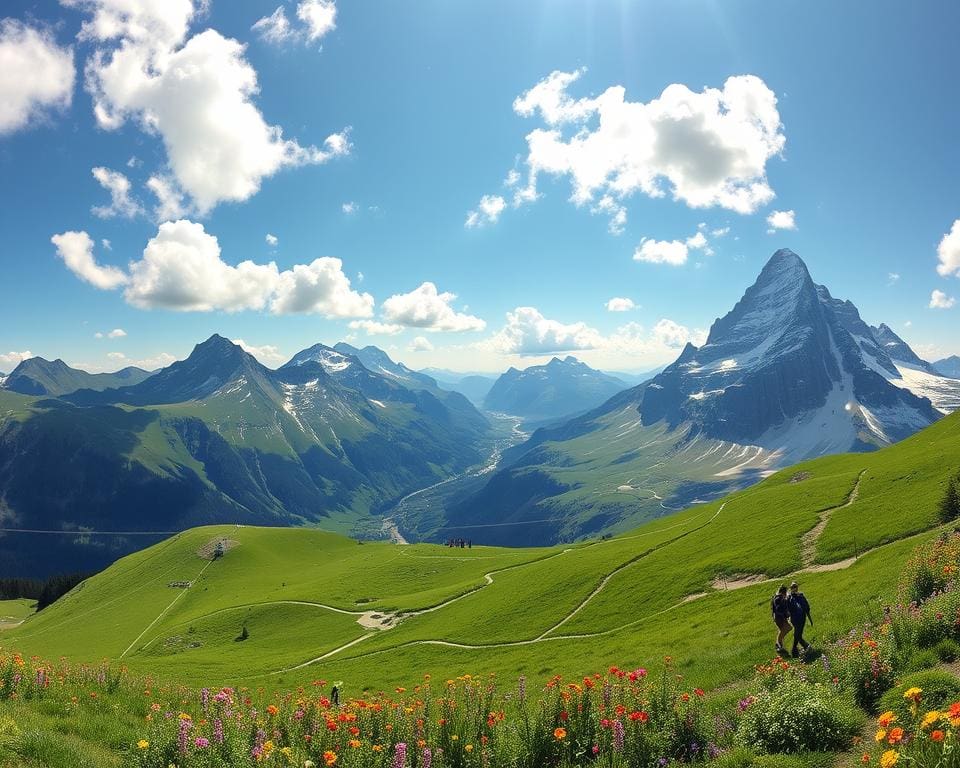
(170, 203)
(940, 300)
(116, 333)
(618, 304)
(317, 19)
(528, 332)
(271, 240)
(36, 75)
(376, 328)
(781, 220)
(10, 360)
(949, 252)
(121, 202)
(182, 269)
(704, 149)
(425, 307)
(76, 250)
(486, 212)
(672, 252)
(267, 354)
(420, 344)
(194, 93)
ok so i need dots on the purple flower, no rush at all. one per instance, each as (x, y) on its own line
(204, 698)
(201, 743)
(185, 726)
(617, 736)
(218, 731)
(427, 758)
(400, 755)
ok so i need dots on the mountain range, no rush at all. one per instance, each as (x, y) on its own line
(564, 387)
(218, 437)
(36, 376)
(949, 366)
(790, 373)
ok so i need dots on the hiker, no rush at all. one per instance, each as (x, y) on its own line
(799, 614)
(780, 608)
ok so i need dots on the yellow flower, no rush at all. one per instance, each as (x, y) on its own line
(886, 718)
(880, 735)
(143, 744)
(889, 758)
(455, 738)
(912, 694)
(469, 747)
(929, 719)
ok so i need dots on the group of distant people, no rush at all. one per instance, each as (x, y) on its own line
(462, 543)
(791, 610)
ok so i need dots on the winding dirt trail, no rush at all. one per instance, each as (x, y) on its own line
(808, 544)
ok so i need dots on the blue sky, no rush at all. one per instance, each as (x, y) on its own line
(398, 119)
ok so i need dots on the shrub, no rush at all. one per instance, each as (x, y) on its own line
(930, 569)
(939, 690)
(799, 716)
(744, 758)
(862, 663)
(949, 507)
(920, 661)
(947, 650)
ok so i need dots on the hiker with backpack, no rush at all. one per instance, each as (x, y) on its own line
(799, 615)
(780, 608)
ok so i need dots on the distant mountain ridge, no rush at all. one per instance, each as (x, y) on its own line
(949, 366)
(218, 437)
(559, 388)
(37, 376)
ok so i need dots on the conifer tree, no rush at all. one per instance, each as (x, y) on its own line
(950, 503)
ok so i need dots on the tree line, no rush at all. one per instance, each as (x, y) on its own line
(44, 591)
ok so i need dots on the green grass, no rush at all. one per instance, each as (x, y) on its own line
(16, 610)
(508, 611)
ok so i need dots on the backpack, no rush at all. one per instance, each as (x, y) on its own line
(778, 605)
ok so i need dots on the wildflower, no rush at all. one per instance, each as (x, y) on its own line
(272, 710)
(895, 736)
(201, 743)
(400, 755)
(929, 719)
(329, 758)
(559, 733)
(912, 694)
(617, 736)
(865, 758)
(937, 735)
(143, 744)
(353, 743)
(885, 719)
(889, 758)
(469, 748)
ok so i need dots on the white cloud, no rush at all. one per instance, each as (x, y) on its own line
(170, 203)
(893, 278)
(182, 270)
(320, 16)
(376, 328)
(36, 75)
(107, 245)
(940, 300)
(949, 252)
(908, 324)
(10, 360)
(781, 220)
(161, 360)
(487, 212)
(350, 208)
(705, 149)
(121, 203)
(196, 94)
(720, 231)
(426, 308)
(267, 354)
(116, 355)
(271, 240)
(527, 332)
(116, 333)
(618, 304)
(672, 252)
(420, 344)
(274, 28)
(76, 250)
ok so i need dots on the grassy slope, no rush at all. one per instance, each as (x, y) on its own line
(511, 624)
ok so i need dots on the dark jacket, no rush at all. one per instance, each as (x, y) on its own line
(799, 609)
(780, 606)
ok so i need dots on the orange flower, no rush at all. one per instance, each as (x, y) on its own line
(559, 733)
(865, 758)
(329, 757)
(895, 736)
(272, 710)
(937, 735)
(888, 717)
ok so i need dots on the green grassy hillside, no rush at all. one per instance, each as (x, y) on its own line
(694, 585)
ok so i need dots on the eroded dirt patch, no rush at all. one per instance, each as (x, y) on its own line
(738, 580)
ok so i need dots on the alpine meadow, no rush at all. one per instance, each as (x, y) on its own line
(554, 384)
